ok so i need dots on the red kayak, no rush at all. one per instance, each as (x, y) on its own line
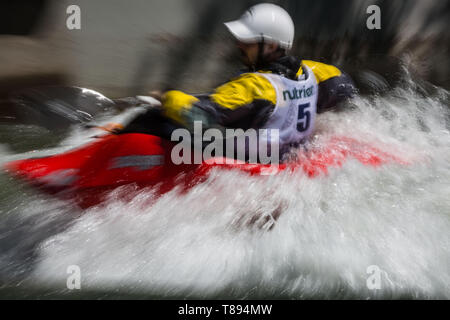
(88, 173)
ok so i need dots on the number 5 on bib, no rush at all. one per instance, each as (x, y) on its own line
(304, 117)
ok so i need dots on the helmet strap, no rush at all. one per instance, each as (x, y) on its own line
(263, 60)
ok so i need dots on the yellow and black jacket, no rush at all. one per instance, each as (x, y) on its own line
(248, 100)
(244, 102)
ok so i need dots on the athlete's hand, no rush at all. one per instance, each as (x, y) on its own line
(157, 94)
(111, 127)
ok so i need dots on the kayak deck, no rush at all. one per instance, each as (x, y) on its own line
(144, 160)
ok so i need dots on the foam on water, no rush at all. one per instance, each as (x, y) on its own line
(331, 228)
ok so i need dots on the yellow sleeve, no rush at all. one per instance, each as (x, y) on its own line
(243, 90)
(175, 103)
(322, 71)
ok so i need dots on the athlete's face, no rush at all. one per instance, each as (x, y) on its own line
(249, 53)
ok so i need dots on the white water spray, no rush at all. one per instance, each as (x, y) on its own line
(330, 231)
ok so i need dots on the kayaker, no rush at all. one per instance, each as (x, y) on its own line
(277, 91)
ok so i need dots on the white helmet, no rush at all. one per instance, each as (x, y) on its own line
(264, 21)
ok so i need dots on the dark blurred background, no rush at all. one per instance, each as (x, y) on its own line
(126, 48)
